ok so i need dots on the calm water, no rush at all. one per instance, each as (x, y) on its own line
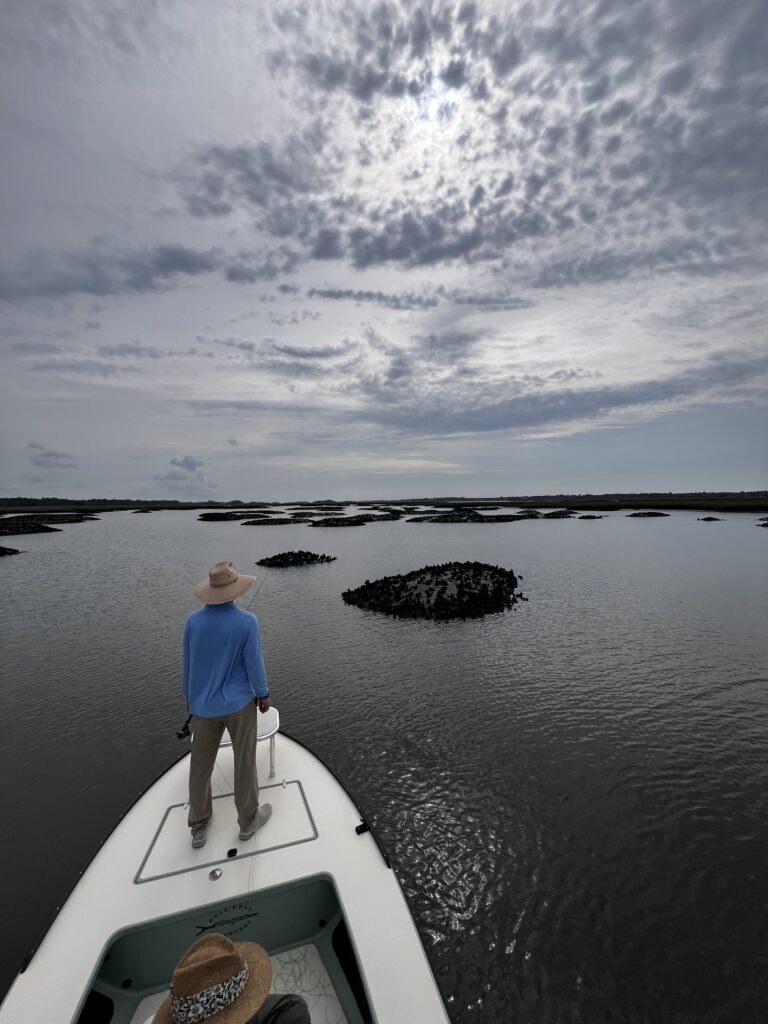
(573, 793)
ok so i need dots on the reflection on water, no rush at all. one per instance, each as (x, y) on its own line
(573, 793)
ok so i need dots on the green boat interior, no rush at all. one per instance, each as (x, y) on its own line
(301, 926)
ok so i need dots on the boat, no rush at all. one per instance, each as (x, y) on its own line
(313, 886)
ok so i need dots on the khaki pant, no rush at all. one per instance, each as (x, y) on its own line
(206, 737)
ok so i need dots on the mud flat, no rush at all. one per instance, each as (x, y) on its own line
(287, 559)
(453, 590)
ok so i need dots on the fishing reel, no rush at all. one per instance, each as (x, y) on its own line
(184, 732)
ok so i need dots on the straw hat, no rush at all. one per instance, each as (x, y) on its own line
(223, 584)
(218, 980)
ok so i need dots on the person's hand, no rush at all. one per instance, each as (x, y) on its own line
(263, 705)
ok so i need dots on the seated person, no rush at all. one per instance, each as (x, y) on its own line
(227, 983)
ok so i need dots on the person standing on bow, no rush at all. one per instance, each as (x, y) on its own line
(223, 681)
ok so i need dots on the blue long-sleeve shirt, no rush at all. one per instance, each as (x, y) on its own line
(222, 664)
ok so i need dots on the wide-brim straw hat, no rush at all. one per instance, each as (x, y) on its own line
(218, 980)
(223, 584)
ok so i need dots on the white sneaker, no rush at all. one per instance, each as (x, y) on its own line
(200, 834)
(263, 815)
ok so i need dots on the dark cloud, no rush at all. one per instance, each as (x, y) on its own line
(328, 245)
(676, 80)
(239, 273)
(101, 272)
(36, 348)
(49, 459)
(505, 187)
(81, 367)
(454, 74)
(135, 350)
(682, 254)
(426, 300)
(257, 267)
(506, 54)
(189, 463)
(299, 352)
(186, 476)
(447, 345)
(243, 346)
(492, 302)
(290, 362)
(173, 476)
(617, 111)
(261, 177)
(405, 300)
(574, 373)
(412, 239)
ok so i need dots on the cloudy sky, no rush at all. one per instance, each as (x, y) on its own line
(290, 250)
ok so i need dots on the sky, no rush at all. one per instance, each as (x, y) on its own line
(280, 251)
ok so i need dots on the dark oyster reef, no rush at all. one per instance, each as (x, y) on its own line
(453, 590)
(36, 522)
(290, 558)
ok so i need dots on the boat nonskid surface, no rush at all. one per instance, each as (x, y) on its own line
(147, 874)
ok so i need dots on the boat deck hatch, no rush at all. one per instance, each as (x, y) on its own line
(171, 852)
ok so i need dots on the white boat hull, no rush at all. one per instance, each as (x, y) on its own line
(147, 895)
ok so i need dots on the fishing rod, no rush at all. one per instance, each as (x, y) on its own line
(184, 733)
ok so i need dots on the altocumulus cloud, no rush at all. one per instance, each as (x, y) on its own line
(569, 127)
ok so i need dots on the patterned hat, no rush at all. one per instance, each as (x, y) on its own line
(217, 980)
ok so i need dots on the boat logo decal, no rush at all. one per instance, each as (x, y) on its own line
(228, 925)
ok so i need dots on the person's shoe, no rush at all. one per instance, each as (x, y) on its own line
(263, 815)
(200, 834)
